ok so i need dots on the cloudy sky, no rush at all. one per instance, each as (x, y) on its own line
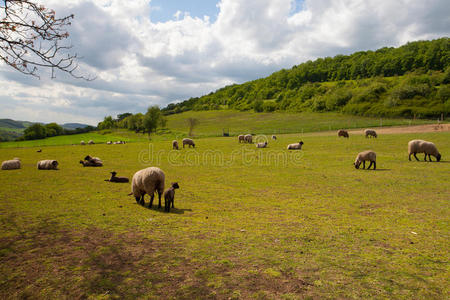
(146, 52)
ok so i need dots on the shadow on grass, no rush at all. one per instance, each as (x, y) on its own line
(178, 211)
(382, 170)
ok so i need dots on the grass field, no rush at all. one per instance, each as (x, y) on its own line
(247, 223)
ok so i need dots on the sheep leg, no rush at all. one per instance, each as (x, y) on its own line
(409, 157)
(425, 158)
(173, 201)
(152, 196)
(374, 165)
(142, 201)
(370, 165)
(415, 156)
(429, 157)
(159, 197)
(364, 164)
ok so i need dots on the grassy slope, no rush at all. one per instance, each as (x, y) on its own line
(254, 227)
(211, 123)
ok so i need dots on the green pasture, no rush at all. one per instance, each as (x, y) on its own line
(248, 223)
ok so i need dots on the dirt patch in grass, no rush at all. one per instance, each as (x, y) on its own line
(48, 261)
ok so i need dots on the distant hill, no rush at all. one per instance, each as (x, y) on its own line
(74, 125)
(9, 123)
(408, 81)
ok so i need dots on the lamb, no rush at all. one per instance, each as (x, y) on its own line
(91, 142)
(261, 145)
(48, 164)
(82, 143)
(40, 150)
(189, 142)
(169, 196)
(11, 164)
(295, 146)
(366, 155)
(370, 132)
(148, 181)
(343, 133)
(175, 145)
(114, 178)
(248, 138)
(241, 138)
(274, 137)
(420, 146)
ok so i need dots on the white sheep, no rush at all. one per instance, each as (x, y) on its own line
(82, 143)
(148, 181)
(175, 144)
(91, 142)
(420, 146)
(108, 143)
(11, 164)
(241, 138)
(47, 164)
(297, 146)
(370, 133)
(188, 142)
(248, 138)
(362, 157)
(261, 145)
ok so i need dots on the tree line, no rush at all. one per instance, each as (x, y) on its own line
(416, 83)
(42, 131)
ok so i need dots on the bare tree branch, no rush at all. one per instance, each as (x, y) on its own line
(31, 36)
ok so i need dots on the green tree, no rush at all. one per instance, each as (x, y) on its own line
(191, 122)
(152, 119)
(53, 129)
(34, 132)
(107, 123)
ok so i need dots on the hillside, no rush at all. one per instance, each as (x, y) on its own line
(409, 81)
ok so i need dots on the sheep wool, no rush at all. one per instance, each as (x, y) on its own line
(261, 145)
(421, 146)
(175, 145)
(364, 156)
(241, 138)
(47, 164)
(297, 146)
(148, 181)
(82, 143)
(188, 142)
(370, 133)
(248, 138)
(11, 164)
(343, 133)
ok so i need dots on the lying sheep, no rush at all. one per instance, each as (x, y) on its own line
(343, 133)
(295, 146)
(188, 142)
(261, 145)
(420, 146)
(40, 150)
(363, 156)
(91, 162)
(370, 133)
(175, 145)
(108, 143)
(91, 142)
(11, 164)
(241, 138)
(47, 164)
(148, 181)
(82, 143)
(248, 138)
(169, 196)
(274, 137)
(114, 178)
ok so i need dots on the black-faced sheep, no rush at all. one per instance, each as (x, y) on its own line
(175, 145)
(362, 157)
(248, 138)
(82, 143)
(241, 138)
(148, 181)
(115, 178)
(297, 146)
(47, 164)
(11, 164)
(169, 196)
(343, 133)
(420, 146)
(91, 162)
(188, 142)
(91, 142)
(274, 137)
(370, 133)
(261, 145)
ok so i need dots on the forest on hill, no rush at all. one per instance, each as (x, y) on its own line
(408, 81)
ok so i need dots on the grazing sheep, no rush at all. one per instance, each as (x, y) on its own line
(169, 196)
(48, 164)
(189, 142)
(370, 133)
(248, 138)
(261, 145)
(274, 137)
(82, 143)
(241, 138)
(108, 143)
(363, 156)
(343, 133)
(91, 142)
(420, 146)
(175, 145)
(114, 178)
(148, 181)
(11, 164)
(295, 146)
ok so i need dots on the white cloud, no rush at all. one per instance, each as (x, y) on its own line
(139, 63)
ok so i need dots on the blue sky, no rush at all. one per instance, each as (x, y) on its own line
(142, 55)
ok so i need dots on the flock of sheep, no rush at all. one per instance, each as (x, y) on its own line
(152, 179)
